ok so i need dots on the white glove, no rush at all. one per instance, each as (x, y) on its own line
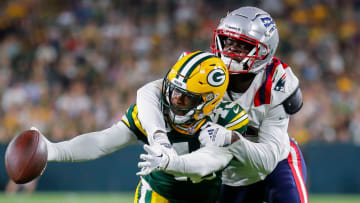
(49, 145)
(215, 135)
(161, 138)
(156, 159)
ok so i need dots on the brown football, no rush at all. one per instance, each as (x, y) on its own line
(26, 156)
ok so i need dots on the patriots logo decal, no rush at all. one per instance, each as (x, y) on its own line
(280, 85)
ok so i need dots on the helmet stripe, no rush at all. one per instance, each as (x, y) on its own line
(187, 61)
(195, 65)
(189, 67)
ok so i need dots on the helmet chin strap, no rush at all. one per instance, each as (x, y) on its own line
(233, 64)
(176, 119)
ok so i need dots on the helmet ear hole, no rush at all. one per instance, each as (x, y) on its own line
(209, 97)
(214, 102)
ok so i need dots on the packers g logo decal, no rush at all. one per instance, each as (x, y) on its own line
(216, 77)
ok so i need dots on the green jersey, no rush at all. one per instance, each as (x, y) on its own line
(182, 189)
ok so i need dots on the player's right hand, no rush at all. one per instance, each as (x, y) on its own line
(160, 138)
(50, 148)
(214, 135)
(157, 158)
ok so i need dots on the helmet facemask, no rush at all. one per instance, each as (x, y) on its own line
(192, 89)
(238, 62)
(181, 106)
(250, 25)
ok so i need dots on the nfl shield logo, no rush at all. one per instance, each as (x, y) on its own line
(191, 130)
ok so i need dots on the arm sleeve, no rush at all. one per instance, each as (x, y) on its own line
(92, 145)
(272, 147)
(200, 163)
(149, 107)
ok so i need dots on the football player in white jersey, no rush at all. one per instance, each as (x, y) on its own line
(270, 166)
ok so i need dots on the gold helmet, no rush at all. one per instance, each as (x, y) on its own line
(193, 88)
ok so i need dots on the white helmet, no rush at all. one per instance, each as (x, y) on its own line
(256, 29)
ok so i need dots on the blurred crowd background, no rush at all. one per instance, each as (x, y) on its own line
(70, 67)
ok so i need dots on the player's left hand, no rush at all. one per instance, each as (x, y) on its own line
(215, 135)
(157, 158)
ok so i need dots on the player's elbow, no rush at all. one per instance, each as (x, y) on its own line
(141, 92)
(154, 86)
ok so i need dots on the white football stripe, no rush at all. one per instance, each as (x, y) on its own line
(298, 174)
(193, 61)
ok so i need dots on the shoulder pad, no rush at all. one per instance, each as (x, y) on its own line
(294, 102)
(284, 85)
(231, 116)
(133, 123)
(278, 83)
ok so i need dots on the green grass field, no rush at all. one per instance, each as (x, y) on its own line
(128, 198)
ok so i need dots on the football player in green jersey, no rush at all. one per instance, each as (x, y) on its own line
(192, 94)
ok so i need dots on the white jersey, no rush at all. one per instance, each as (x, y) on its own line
(267, 142)
(268, 124)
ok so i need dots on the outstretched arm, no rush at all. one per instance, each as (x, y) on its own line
(91, 145)
(200, 163)
(195, 165)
